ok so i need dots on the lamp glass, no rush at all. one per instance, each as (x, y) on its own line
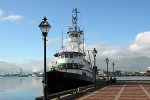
(94, 52)
(107, 60)
(44, 26)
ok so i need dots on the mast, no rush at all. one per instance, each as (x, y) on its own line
(62, 45)
(75, 35)
(75, 18)
(90, 59)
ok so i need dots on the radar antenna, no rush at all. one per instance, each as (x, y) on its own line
(75, 18)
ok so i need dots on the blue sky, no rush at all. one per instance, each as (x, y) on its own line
(113, 23)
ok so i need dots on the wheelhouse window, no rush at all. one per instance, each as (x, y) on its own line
(71, 55)
(62, 56)
(75, 56)
(66, 56)
(70, 66)
(76, 66)
(63, 66)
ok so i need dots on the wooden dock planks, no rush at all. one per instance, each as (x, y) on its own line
(121, 91)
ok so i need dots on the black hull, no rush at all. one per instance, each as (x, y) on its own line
(61, 81)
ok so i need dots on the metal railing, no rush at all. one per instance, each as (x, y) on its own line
(72, 92)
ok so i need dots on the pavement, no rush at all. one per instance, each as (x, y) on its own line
(120, 91)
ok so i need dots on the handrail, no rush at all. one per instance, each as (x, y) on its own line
(71, 92)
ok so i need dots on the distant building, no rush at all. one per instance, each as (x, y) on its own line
(101, 73)
(117, 73)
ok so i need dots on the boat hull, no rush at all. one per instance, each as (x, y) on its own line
(61, 81)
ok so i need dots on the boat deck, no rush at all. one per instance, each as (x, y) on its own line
(121, 91)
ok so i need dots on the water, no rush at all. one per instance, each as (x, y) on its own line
(27, 88)
(133, 78)
(20, 88)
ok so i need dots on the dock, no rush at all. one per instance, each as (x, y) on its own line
(120, 91)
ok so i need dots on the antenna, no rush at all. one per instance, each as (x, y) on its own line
(75, 18)
(62, 45)
(90, 59)
(83, 42)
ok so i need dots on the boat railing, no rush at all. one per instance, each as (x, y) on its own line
(73, 92)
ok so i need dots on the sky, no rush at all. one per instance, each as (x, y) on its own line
(118, 29)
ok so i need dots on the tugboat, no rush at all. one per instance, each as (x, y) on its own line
(72, 70)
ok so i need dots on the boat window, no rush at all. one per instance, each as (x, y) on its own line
(62, 66)
(76, 35)
(71, 55)
(62, 56)
(75, 56)
(66, 56)
(79, 56)
(73, 35)
(69, 66)
(76, 66)
(81, 66)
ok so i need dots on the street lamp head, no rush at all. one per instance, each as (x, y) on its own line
(44, 26)
(113, 63)
(94, 52)
(107, 60)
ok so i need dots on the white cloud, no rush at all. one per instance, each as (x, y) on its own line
(27, 66)
(141, 44)
(122, 56)
(131, 58)
(6, 56)
(110, 52)
(1, 13)
(13, 18)
(52, 40)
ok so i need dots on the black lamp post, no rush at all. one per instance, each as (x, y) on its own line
(113, 69)
(94, 52)
(107, 60)
(45, 27)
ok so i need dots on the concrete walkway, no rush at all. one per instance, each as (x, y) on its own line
(121, 91)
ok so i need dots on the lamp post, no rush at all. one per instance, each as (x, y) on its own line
(94, 52)
(107, 60)
(113, 69)
(45, 27)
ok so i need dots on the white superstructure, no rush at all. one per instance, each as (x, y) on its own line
(72, 58)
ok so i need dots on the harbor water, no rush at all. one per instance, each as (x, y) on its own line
(133, 78)
(20, 88)
(27, 88)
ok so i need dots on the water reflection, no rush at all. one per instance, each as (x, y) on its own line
(20, 88)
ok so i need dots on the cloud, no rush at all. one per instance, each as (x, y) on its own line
(12, 18)
(129, 58)
(141, 44)
(125, 59)
(52, 40)
(6, 56)
(27, 65)
(1, 13)
(7, 66)
(104, 49)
